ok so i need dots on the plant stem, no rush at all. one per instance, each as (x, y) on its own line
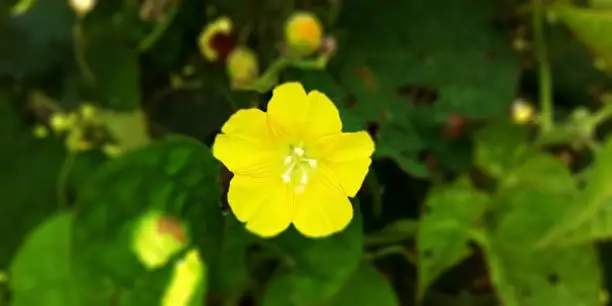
(545, 80)
(159, 29)
(62, 178)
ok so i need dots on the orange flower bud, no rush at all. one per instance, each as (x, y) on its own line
(303, 34)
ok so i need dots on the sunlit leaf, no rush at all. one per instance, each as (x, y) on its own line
(451, 213)
(41, 273)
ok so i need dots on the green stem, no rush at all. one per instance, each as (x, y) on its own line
(392, 250)
(376, 194)
(545, 79)
(62, 178)
(79, 51)
(602, 115)
(159, 29)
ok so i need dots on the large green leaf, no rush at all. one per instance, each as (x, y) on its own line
(231, 276)
(364, 287)
(591, 26)
(319, 267)
(447, 47)
(523, 273)
(591, 219)
(40, 39)
(29, 183)
(177, 177)
(500, 146)
(114, 71)
(451, 213)
(41, 272)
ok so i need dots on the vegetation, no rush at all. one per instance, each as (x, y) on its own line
(490, 181)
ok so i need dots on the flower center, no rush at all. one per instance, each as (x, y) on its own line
(298, 166)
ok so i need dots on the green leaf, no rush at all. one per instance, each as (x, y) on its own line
(129, 128)
(522, 273)
(364, 287)
(451, 213)
(37, 40)
(541, 170)
(397, 231)
(385, 48)
(114, 71)
(176, 176)
(591, 26)
(589, 220)
(319, 267)
(230, 277)
(500, 146)
(41, 271)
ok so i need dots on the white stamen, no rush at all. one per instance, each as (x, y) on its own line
(286, 177)
(288, 159)
(312, 163)
(304, 178)
(299, 151)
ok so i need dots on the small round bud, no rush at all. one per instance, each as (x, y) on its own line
(522, 111)
(40, 131)
(303, 34)
(61, 122)
(87, 111)
(242, 66)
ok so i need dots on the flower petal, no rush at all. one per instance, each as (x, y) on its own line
(275, 213)
(245, 195)
(323, 209)
(344, 147)
(350, 174)
(323, 116)
(347, 157)
(246, 146)
(288, 108)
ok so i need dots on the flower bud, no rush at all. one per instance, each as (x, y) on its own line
(157, 238)
(82, 7)
(242, 66)
(215, 40)
(61, 122)
(522, 111)
(40, 131)
(303, 34)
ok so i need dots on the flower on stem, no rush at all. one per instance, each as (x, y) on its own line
(303, 34)
(293, 164)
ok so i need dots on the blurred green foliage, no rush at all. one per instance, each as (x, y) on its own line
(490, 183)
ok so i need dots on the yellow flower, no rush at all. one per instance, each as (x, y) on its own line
(293, 164)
